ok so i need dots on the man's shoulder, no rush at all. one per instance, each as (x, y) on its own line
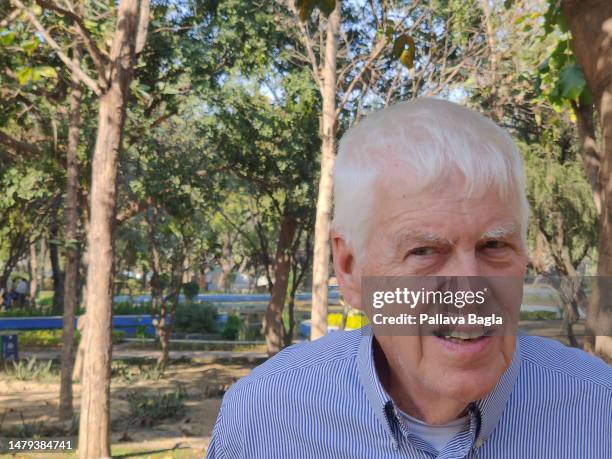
(566, 365)
(314, 357)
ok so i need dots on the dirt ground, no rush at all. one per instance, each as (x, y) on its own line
(34, 405)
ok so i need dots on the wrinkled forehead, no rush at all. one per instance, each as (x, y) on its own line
(449, 207)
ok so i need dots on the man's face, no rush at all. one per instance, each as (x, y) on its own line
(442, 233)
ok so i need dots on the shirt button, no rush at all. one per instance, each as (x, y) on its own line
(479, 443)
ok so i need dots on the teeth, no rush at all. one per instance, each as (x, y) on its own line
(464, 335)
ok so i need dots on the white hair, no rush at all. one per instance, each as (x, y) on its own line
(433, 138)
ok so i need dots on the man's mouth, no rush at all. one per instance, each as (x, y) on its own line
(462, 336)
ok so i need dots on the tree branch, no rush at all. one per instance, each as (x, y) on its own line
(378, 49)
(100, 60)
(77, 71)
(18, 146)
(133, 209)
(10, 18)
(307, 41)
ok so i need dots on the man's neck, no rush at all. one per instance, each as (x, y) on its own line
(412, 398)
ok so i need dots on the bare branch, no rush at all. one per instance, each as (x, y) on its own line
(99, 59)
(10, 18)
(306, 41)
(376, 51)
(77, 70)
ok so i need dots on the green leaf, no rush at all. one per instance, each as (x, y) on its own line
(7, 38)
(172, 91)
(44, 72)
(24, 75)
(571, 82)
(91, 25)
(544, 67)
(29, 46)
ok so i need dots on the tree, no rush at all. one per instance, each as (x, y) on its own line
(587, 80)
(129, 40)
(589, 22)
(377, 52)
(268, 141)
(564, 218)
(71, 290)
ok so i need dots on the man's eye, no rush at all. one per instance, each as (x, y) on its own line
(494, 245)
(422, 251)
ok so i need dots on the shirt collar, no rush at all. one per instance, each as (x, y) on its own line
(488, 410)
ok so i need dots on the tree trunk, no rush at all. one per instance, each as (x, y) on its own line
(589, 153)
(164, 329)
(224, 279)
(591, 26)
(77, 371)
(71, 290)
(288, 337)
(320, 268)
(273, 326)
(591, 160)
(226, 263)
(42, 262)
(164, 342)
(94, 429)
(143, 279)
(58, 277)
(33, 274)
(158, 304)
(202, 284)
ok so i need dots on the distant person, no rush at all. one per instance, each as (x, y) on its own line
(22, 292)
(10, 297)
(423, 188)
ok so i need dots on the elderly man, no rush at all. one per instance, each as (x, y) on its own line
(423, 188)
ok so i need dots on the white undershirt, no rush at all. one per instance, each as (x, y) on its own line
(437, 435)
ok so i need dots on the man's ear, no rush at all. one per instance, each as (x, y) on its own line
(347, 273)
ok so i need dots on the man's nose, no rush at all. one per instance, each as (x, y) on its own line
(464, 264)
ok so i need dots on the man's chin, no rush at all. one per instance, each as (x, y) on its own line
(469, 371)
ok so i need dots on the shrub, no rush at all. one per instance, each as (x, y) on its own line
(232, 327)
(129, 308)
(191, 290)
(539, 315)
(53, 338)
(40, 311)
(195, 318)
(148, 409)
(128, 373)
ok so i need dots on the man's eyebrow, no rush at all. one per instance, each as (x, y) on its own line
(411, 235)
(505, 231)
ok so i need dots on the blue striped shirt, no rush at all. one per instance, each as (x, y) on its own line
(324, 400)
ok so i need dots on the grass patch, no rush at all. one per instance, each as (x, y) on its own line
(32, 370)
(141, 372)
(146, 410)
